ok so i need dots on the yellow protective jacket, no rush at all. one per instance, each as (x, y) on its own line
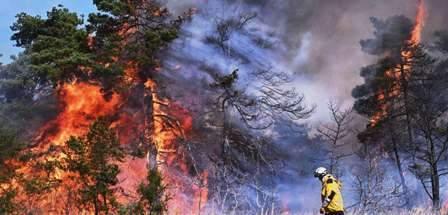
(331, 191)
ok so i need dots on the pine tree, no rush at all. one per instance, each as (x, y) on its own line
(153, 196)
(63, 48)
(57, 45)
(384, 97)
(94, 158)
(9, 147)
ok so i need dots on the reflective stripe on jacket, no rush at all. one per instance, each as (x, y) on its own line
(331, 189)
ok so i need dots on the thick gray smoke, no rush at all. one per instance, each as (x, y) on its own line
(316, 41)
(320, 37)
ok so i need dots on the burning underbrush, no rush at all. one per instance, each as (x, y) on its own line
(208, 101)
(151, 130)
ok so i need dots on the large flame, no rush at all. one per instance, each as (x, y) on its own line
(396, 73)
(81, 104)
(419, 22)
(168, 161)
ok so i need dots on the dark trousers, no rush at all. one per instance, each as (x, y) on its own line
(335, 213)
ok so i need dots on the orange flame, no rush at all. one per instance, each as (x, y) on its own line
(416, 35)
(82, 104)
(395, 74)
(165, 139)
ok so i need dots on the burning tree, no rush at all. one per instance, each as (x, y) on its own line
(153, 194)
(384, 97)
(404, 98)
(92, 158)
(9, 147)
(94, 67)
(123, 128)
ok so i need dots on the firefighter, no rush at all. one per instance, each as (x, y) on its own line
(332, 203)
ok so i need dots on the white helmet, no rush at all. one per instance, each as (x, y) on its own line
(320, 172)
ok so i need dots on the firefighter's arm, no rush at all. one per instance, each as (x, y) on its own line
(330, 192)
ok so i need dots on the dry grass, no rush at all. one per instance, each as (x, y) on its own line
(416, 211)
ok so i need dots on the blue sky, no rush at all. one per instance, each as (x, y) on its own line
(10, 8)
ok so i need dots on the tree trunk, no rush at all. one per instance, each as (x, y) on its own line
(404, 86)
(399, 167)
(435, 182)
(224, 129)
(95, 205)
(106, 212)
(148, 107)
(398, 163)
(435, 189)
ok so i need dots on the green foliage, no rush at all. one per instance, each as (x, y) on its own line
(61, 48)
(153, 194)
(38, 185)
(23, 116)
(28, 27)
(24, 103)
(94, 158)
(9, 147)
(7, 204)
(132, 208)
(57, 46)
(134, 31)
(16, 80)
(26, 156)
(114, 7)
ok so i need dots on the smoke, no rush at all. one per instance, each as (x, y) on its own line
(320, 39)
(316, 41)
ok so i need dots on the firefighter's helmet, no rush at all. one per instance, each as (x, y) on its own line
(320, 172)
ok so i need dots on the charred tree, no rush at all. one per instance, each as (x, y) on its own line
(384, 97)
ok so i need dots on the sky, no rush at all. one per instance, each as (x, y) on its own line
(10, 8)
